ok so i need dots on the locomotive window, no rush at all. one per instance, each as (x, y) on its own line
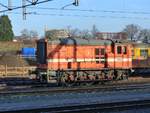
(144, 52)
(97, 60)
(102, 51)
(97, 51)
(102, 60)
(119, 50)
(124, 50)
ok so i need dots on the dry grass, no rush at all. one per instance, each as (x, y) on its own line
(10, 46)
(13, 46)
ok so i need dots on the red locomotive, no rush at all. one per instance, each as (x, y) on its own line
(75, 60)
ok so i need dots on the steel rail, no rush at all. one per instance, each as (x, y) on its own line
(88, 107)
(47, 89)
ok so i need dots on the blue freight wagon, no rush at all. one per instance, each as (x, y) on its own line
(28, 52)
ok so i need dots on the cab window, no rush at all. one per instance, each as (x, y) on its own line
(97, 52)
(102, 51)
(124, 50)
(119, 50)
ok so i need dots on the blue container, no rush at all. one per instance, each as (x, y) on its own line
(28, 52)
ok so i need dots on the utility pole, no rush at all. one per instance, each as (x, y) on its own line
(24, 9)
(76, 2)
(9, 4)
(34, 2)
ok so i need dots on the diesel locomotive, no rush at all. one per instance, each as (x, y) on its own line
(77, 60)
(71, 60)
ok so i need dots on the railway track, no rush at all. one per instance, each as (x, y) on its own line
(88, 108)
(30, 87)
(92, 106)
(47, 89)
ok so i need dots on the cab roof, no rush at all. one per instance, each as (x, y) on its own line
(79, 41)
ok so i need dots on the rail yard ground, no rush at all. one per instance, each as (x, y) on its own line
(108, 99)
(117, 96)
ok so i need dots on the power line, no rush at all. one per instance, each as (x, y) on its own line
(92, 10)
(85, 16)
(75, 3)
(92, 16)
(3, 5)
(31, 3)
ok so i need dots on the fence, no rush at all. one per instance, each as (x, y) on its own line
(15, 71)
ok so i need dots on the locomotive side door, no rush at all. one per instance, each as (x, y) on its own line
(100, 57)
(121, 56)
(118, 56)
(125, 55)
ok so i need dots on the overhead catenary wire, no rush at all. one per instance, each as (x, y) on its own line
(84, 16)
(31, 3)
(91, 16)
(92, 10)
(3, 5)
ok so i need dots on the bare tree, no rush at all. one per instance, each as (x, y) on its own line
(144, 35)
(56, 34)
(85, 33)
(94, 31)
(33, 34)
(73, 32)
(25, 33)
(132, 31)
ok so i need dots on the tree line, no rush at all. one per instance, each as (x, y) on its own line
(6, 32)
(133, 31)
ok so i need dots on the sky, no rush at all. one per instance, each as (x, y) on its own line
(41, 19)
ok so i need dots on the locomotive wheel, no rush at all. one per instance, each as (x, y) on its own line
(67, 80)
(121, 75)
(125, 76)
(110, 75)
(102, 76)
(63, 79)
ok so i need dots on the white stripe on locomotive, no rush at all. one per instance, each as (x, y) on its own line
(118, 59)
